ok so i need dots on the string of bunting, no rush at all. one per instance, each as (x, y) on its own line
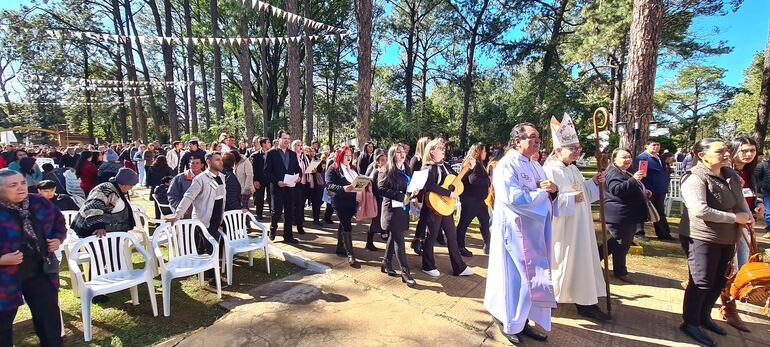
(75, 80)
(66, 34)
(292, 17)
(65, 103)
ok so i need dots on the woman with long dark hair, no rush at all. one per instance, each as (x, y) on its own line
(86, 171)
(338, 182)
(394, 215)
(374, 171)
(472, 203)
(717, 212)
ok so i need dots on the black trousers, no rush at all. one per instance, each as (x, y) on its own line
(707, 262)
(205, 247)
(282, 199)
(435, 224)
(374, 226)
(43, 301)
(298, 204)
(396, 246)
(661, 228)
(328, 212)
(259, 201)
(618, 245)
(473, 208)
(315, 196)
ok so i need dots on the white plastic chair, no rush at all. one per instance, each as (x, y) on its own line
(183, 257)
(112, 271)
(674, 194)
(236, 239)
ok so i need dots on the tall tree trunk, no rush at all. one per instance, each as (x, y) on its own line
(309, 89)
(142, 119)
(89, 113)
(411, 56)
(138, 118)
(468, 82)
(193, 100)
(642, 62)
(335, 88)
(244, 60)
(763, 109)
(265, 80)
(364, 25)
(122, 115)
(204, 85)
(168, 63)
(617, 88)
(550, 50)
(295, 107)
(219, 104)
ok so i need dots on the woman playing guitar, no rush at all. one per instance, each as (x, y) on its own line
(433, 160)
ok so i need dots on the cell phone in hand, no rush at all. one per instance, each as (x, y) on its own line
(643, 166)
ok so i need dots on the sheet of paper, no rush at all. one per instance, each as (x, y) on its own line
(394, 203)
(313, 166)
(418, 180)
(359, 183)
(290, 180)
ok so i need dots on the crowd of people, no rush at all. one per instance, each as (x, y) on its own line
(533, 209)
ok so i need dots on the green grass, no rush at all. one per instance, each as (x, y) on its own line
(119, 323)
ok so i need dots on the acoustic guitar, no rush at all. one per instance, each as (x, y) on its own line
(444, 205)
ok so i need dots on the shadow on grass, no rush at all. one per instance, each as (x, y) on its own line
(118, 322)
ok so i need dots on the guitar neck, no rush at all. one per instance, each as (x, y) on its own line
(462, 173)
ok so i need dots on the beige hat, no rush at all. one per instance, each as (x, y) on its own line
(564, 133)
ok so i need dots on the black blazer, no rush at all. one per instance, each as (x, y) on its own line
(274, 169)
(624, 200)
(258, 166)
(393, 188)
(432, 185)
(232, 189)
(335, 184)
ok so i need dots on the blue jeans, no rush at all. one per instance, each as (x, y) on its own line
(765, 197)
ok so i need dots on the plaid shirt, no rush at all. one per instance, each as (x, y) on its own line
(47, 217)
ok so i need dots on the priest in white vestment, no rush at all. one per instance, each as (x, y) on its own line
(519, 285)
(575, 263)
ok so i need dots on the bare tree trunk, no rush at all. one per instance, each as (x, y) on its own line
(244, 61)
(265, 80)
(468, 83)
(335, 88)
(642, 62)
(219, 104)
(763, 109)
(168, 64)
(193, 110)
(204, 84)
(89, 114)
(364, 24)
(295, 107)
(309, 91)
(142, 120)
(550, 50)
(617, 87)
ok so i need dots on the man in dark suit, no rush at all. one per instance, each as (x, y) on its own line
(656, 180)
(279, 162)
(261, 146)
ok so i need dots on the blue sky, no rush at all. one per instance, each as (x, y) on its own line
(746, 31)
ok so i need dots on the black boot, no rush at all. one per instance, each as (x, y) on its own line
(340, 245)
(697, 334)
(370, 242)
(417, 246)
(387, 268)
(406, 277)
(532, 333)
(347, 239)
(592, 312)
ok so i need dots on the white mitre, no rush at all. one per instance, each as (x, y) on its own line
(564, 133)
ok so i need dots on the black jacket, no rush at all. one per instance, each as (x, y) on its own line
(335, 185)
(274, 168)
(185, 160)
(476, 183)
(232, 189)
(624, 200)
(258, 166)
(762, 175)
(393, 187)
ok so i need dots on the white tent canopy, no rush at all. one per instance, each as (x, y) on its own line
(7, 137)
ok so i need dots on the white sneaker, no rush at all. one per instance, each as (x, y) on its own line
(467, 272)
(433, 273)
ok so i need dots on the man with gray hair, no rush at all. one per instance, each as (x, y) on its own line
(519, 286)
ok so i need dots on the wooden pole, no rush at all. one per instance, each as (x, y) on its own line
(600, 168)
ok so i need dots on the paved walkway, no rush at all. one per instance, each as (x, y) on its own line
(366, 307)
